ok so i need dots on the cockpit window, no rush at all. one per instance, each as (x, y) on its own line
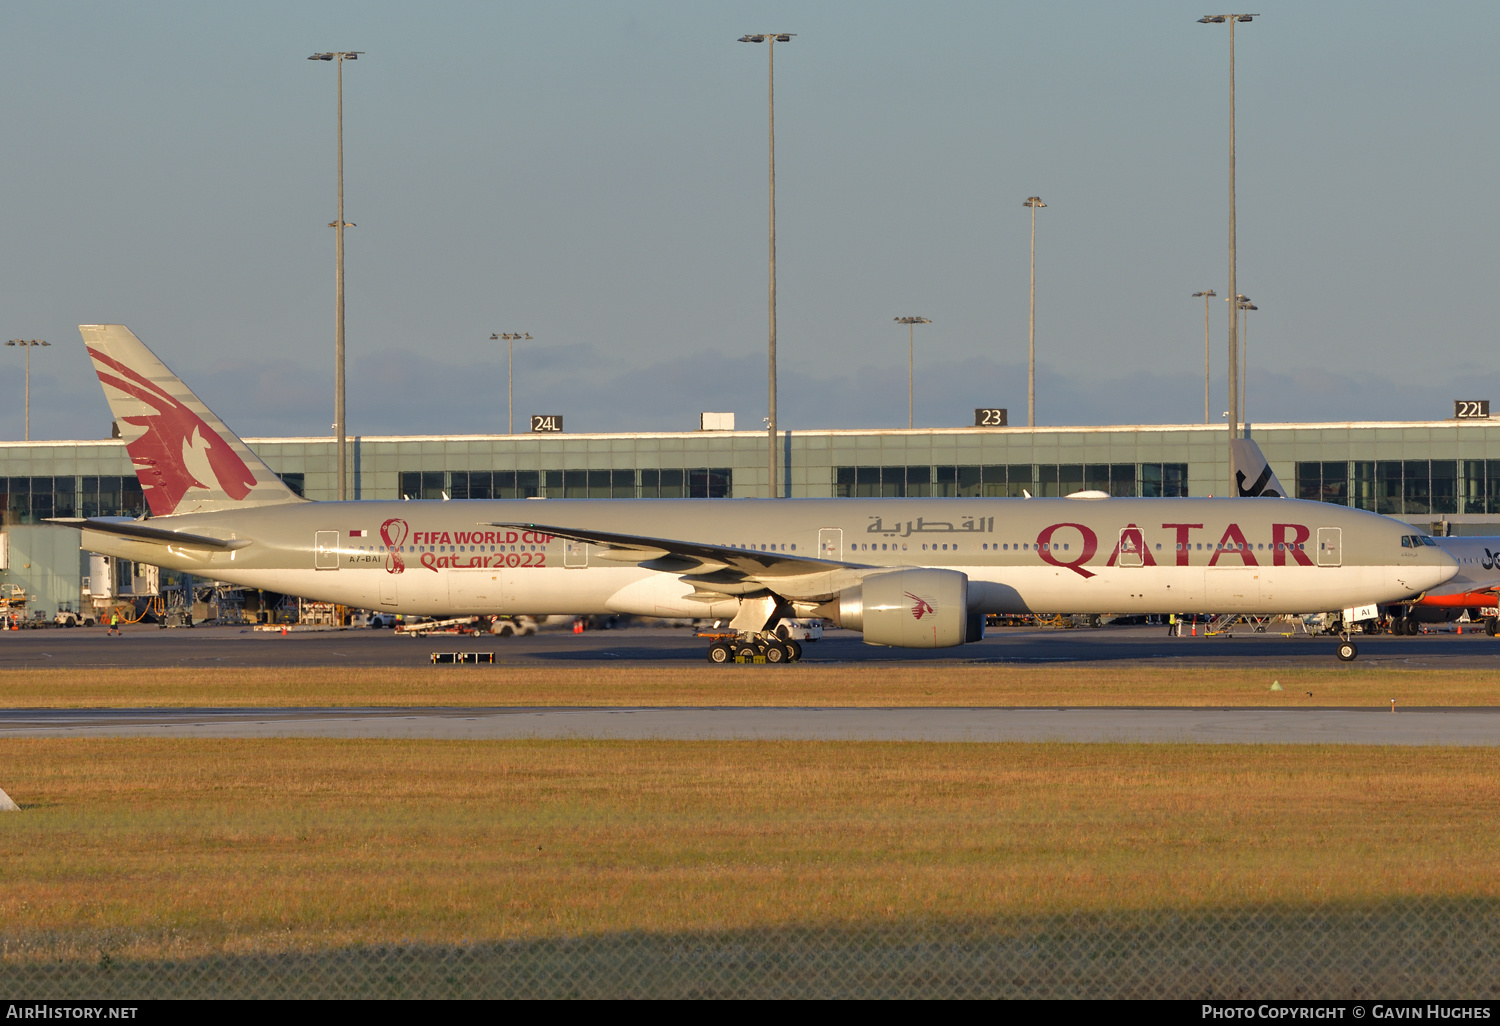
(1406, 541)
(1427, 540)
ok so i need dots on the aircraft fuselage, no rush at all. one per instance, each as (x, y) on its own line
(1020, 555)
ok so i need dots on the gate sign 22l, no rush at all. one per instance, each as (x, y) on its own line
(1471, 409)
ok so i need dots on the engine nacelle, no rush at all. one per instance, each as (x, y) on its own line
(909, 609)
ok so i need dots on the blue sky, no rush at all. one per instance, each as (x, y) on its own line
(594, 173)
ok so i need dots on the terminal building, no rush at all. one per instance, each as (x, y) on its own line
(1441, 476)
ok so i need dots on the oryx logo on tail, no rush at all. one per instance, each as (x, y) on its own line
(175, 450)
(184, 456)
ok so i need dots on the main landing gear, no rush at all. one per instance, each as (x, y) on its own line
(754, 648)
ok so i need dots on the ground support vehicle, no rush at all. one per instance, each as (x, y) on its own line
(455, 625)
(799, 630)
(512, 626)
(66, 617)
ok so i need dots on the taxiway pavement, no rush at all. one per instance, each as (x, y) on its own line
(89, 647)
(1425, 726)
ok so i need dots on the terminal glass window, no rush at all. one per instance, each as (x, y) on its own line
(471, 484)
(1444, 475)
(494, 484)
(295, 482)
(918, 482)
(1480, 487)
(28, 500)
(1397, 487)
(1162, 480)
(1416, 487)
(1053, 481)
(111, 496)
(1388, 492)
(1362, 483)
(892, 482)
(1471, 489)
(999, 481)
(710, 483)
(423, 484)
(667, 483)
(1323, 482)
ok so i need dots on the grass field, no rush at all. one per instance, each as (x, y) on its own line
(1113, 684)
(181, 848)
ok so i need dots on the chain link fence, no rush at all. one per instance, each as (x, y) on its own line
(1400, 949)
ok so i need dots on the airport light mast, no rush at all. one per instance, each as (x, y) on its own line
(1245, 307)
(510, 338)
(1232, 19)
(771, 38)
(1206, 295)
(28, 345)
(338, 274)
(1033, 202)
(911, 364)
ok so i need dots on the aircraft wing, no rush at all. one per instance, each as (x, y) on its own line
(138, 531)
(719, 568)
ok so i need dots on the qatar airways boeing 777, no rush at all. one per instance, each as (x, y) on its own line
(916, 573)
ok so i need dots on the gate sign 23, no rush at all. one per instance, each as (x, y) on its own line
(989, 418)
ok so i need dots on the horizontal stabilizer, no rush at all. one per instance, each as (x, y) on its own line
(137, 530)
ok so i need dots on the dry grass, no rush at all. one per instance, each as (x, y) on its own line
(1113, 684)
(181, 847)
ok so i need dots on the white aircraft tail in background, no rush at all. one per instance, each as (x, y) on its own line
(1253, 476)
(186, 459)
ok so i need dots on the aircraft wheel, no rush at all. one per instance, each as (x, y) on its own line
(778, 653)
(1347, 650)
(719, 652)
(1491, 626)
(796, 648)
(1412, 627)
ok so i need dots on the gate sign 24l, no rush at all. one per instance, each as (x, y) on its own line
(1471, 409)
(546, 422)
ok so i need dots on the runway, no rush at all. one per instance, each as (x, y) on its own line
(1417, 726)
(144, 645)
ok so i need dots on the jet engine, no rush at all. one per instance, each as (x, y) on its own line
(911, 609)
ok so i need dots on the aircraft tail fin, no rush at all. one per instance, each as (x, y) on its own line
(186, 459)
(1253, 475)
